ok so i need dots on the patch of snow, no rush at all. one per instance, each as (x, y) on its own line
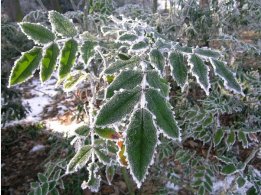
(36, 148)
(172, 186)
(66, 130)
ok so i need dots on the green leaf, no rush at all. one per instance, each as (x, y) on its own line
(184, 49)
(87, 51)
(229, 78)
(38, 191)
(67, 58)
(94, 180)
(54, 192)
(200, 71)
(127, 37)
(56, 175)
(25, 66)
(121, 64)
(49, 170)
(80, 159)
(45, 188)
(207, 53)
(201, 190)
(38, 33)
(218, 136)
(139, 46)
(178, 68)
(52, 184)
(62, 25)
(107, 133)
(242, 138)
(118, 106)
(140, 144)
(110, 172)
(157, 104)
(157, 60)
(49, 62)
(127, 79)
(73, 80)
(104, 158)
(34, 185)
(42, 178)
(155, 81)
(229, 169)
(83, 130)
(241, 182)
(231, 138)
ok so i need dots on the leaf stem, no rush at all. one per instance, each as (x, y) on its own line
(127, 181)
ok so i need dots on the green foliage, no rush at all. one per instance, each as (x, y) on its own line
(80, 159)
(129, 101)
(62, 25)
(118, 106)
(142, 136)
(49, 62)
(179, 70)
(37, 32)
(25, 66)
(67, 58)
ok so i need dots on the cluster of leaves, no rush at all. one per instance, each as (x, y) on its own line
(134, 90)
(13, 41)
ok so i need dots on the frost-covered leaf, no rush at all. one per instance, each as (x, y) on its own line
(155, 81)
(140, 144)
(218, 136)
(56, 175)
(178, 68)
(201, 190)
(52, 185)
(184, 49)
(45, 188)
(54, 192)
(80, 159)
(157, 104)
(37, 32)
(107, 133)
(38, 191)
(121, 64)
(127, 37)
(62, 25)
(229, 78)
(242, 138)
(87, 51)
(139, 46)
(72, 81)
(25, 66)
(94, 180)
(200, 71)
(241, 182)
(207, 53)
(229, 169)
(123, 56)
(42, 178)
(110, 172)
(104, 158)
(83, 130)
(231, 138)
(127, 79)
(118, 107)
(67, 58)
(157, 60)
(49, 61)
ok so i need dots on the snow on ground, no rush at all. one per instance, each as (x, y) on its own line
(39, 96)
